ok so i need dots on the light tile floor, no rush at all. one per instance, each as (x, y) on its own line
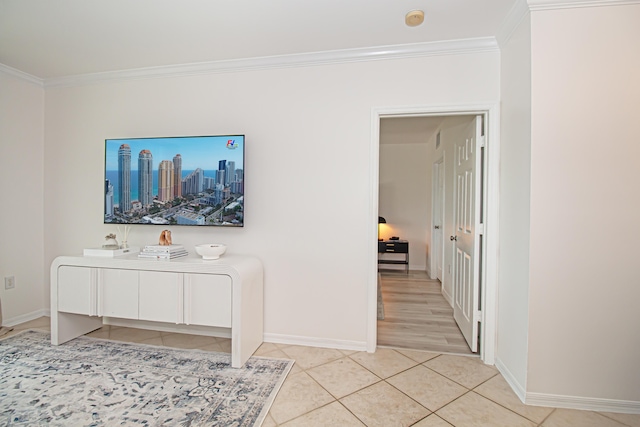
(329, 387)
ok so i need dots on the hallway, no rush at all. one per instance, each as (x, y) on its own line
(416, 315)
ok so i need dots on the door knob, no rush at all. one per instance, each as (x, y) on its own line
(452, 238)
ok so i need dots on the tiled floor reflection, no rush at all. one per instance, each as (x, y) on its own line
(329, 387)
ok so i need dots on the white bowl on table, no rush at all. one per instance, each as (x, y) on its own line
(211, 250)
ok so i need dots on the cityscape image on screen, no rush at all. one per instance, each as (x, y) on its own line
(175, 181)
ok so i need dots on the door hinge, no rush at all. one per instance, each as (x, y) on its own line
(477, 316)
(480, 228)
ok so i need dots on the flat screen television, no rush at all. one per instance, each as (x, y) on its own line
(187, 180)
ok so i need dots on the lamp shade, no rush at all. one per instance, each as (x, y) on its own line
(381, 220)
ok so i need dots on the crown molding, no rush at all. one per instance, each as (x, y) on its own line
(452, 47)
(571, 4)
(5, 69)
(512, 21)
(523, 8)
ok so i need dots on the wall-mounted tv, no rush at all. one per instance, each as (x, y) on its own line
(187, 180)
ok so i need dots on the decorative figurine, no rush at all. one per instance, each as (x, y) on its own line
(165, 238)
(110, 242)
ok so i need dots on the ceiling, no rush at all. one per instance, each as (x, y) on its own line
(57, 38)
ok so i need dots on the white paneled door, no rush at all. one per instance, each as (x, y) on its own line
(468, 229)
(438, 215)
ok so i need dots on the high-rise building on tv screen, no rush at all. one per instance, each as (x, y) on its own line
(188, 180)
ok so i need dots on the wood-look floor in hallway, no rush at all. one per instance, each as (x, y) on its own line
(416, 315)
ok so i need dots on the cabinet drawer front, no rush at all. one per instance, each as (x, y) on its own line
(118, 293)
(208, 300)
(160, 296)
(75, 286)
(398, 247)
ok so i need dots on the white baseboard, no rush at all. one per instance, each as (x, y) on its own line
(566, 402)
(583, 403)
(13, 321)
(316, 342)
(518, 389)
(447, 297)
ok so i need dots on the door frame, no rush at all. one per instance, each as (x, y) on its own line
(489, 265)
(437, 203)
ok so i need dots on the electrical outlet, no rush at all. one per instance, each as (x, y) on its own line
(9, 282)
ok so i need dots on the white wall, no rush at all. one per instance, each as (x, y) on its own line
(22, 206)
(585, 204)
(515, 182)
(307, 169)
(405, 198)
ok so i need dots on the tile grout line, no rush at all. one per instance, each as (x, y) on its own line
(335, 399)
(500, 404)
(546, 418)
(612, 419)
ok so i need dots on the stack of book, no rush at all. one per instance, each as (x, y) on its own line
(163, 252)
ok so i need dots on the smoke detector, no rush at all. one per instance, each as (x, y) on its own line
(414, 18)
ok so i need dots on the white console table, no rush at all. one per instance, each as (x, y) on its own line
(226, 293)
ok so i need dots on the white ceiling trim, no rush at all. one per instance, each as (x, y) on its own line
(570, 4)
(512, 21)
(522, 8)
(21, 75)
(452, 47)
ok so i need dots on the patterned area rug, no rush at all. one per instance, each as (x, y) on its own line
(94, 382)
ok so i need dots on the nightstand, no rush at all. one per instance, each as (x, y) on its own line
(394, 247)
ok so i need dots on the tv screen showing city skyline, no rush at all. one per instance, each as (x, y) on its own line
(189, 180)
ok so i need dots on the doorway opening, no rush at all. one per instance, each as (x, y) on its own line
(426, 261)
